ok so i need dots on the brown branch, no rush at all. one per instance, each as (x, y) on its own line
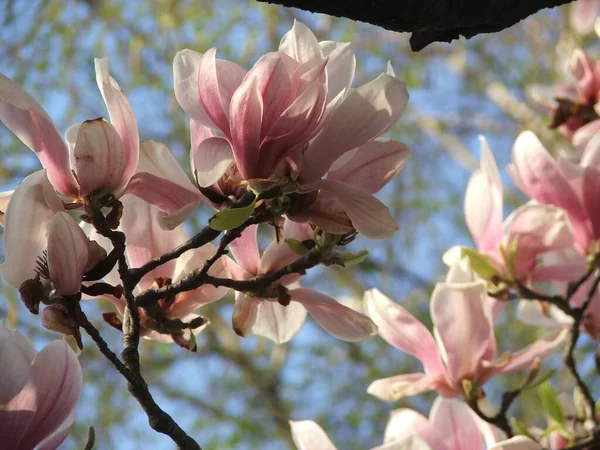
(430, 20)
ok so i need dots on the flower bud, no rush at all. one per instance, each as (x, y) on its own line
(33, 292)
(57, 318)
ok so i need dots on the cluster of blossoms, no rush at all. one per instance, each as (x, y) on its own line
(289, 143)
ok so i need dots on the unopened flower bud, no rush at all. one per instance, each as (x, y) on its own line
(33, 292)
(57, 318)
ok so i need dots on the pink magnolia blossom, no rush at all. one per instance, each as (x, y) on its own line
(529, 231)
(97, 155)
(265, 316)
(147, 239)
(583, 15)
(573, 187)
(292, 115)
(464, 347)
(452, 425)
(38, 392)
(308, 435)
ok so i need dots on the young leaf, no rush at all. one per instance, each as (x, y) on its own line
(550, 402)
(231, 218)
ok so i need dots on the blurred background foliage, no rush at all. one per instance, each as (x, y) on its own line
(240, 393)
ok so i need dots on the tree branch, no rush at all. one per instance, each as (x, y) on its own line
(430, 20)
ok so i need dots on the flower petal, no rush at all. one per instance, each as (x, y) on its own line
(244, 316)
(463, 327)
(373, 165)
(121, 116)
(455, 425)
(212, 159)
(31, 208)
(18, 395)
(392, 388)
(300, 43)
(402, 330)
(340, 67)
(67, 253)
(167, 195)
(583, 15)
(245, 250)
(542, 349)
(381, 103)
(404, 422)
(29, 122)
(279, 323)
(4, 200)
(58, 381)
(186, 67)
(99, 158)
(368, 215)
(157, 159)
(278, 255)
(217, 81)
(338, 320)
(307, 435)
(517, 443)
(245, 120)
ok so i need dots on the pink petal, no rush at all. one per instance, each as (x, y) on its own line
(338, 320)
(245, 250)
(374, 165)
(483, 202)
(517, 443)
(99, 158)
(300, 43)
(157, 159)
(59, 435)
(18, 396)
(307, 435)
(586, 71)
(539, 175)
(340, 67)
(121, 116)
(58, 380)
(245, 313)
(393, 388)
(29, 212)
(368, 215)
(211, 160)
(464, 329)
(591, 198)
(4, 200)
(542, 348)
(407, 443)
(29, 122)
(583, 15)
(67, 253)
(146, 240)
(186, 68)
(277, 255)
(167, 195)
(404, 422)
(245, 120)
(455, 424)
(381, 103)
(217, 81)
(279, 323)
(402, 330)
(584, 135)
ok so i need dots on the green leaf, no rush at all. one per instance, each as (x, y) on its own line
(231, 218)
(297, 246)
(481, 264)
(519, 427)
(192, 346)
(540, 379)
(550, 402)
(354, 258)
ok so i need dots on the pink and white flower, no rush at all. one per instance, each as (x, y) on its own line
(97, 155)
(291, 116)
(38, 392)
(464, 347)
(266, 316)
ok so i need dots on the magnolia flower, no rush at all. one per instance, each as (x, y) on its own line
(308, 435)
(146, 240)
(290, 117)
(464, 347)
(583, 15)
(266, 316)
(38, 392)
(515, 245)
(452, 425)
(97, 155)
(573, 187)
